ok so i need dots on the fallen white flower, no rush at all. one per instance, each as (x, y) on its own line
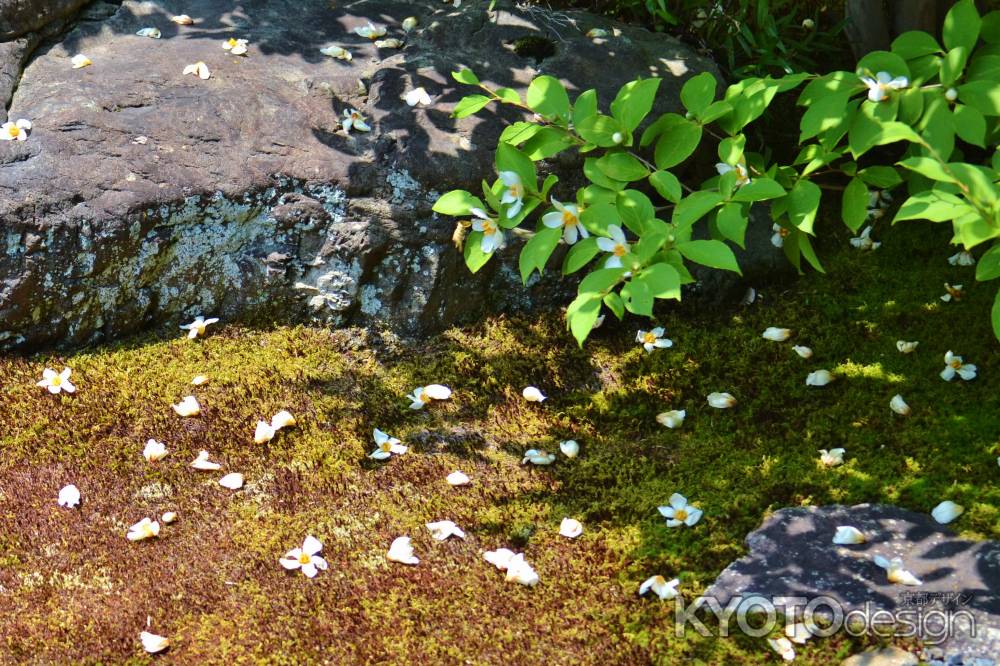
(457, 478)
(597, 33)
(168, 517)
(831, 458)
(402, 551)
(198, 326)
(182, 19)
(819, 378)
(391, 43)
(672, 419)
(798, 632)
(804, 352)
(962, 258)
(153, 643)
(337, 52)
(519, 571)
(306, 558)
(144, 529)
(570, 448)
(442, 529)
(15, 131)
(775, 334)
(532, 394)
(954, 292)
(864, 241)
(895, 571)
(188, 406)
(680, 512)
(499, 558)
(370, 31)
(79, 60)
(69, 496)
(537, 457)
(152, 33)
(660, 586)
(783, 647)
(721, 400)
(654, 339)
(417, 96)
(282, 419)
(422, 395)
(386, 446)
(354, 120)
(56, 382)
(263, 432)
(236, 47)
(200, 69)
(954, 366)
(898, 405)
(232, 481)
(154, 451)
(905, 347)
(570, 528)
(847, 535)
(947, 511)
(202, 462)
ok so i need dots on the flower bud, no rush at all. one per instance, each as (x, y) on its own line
(951, 94)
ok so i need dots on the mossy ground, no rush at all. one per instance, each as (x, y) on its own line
(74, 590)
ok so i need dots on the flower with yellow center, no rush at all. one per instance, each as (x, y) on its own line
(742, 174)
(144, 529)
(513, 194)
(237, 47)
(882, 85)
(353, 119)
(616, 245)
(386, 446)
(15, 131)
(493, 238)
(566, 216)
(337, 52)
(660, 586)
(653, 339)
(953, 365)
(779, 235)
(56, 382)
(306, 558)
(370, 31)
(895, 571)
(680, 512)
(197, 328)
(955, 292)
(79, 61)
(425, 394)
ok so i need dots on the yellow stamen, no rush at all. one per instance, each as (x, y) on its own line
(569, 219)
(56, 381)
(649, 338)
(304, 558)
(488, 228)
(13, 131)
(620, 250)
(783, 232)
(231, 42)
(385, 446)
(680, 514)
(955, 363)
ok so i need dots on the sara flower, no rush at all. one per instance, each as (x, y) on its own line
(458, 478)
(188, 406)
(962, 258)
(425, 394)
(493, 238)
(783, 647)
(417, 96)
(898, 405)
(779, 235)
(883, 84)
(804, 352)
(532, 394)
(954, 292)
(616, 245)
(401, 550)
(819, 378)
(570, 528)
(895, 571)
(864, 241)
(660, 586)
(154, 451)
(831, 458)
(947, 511)
(721, 400)
(197, 327)
(199, 69)
(69, 496)
(306, 558)
(538, 457)
(56, 382)
(672, 419)
(742, 174)
(775, 334)
(144, 529)
(513, 194)
(15, 131)
(235, 46)
(906, 347)
(79, 61)
(654, 339)
(566, 216)
(442, 529)
(370, 31)
(153, 643)
(337, 52)
(570, 448)
(519, 571)
(953, 365)
(354, 120)
(386, 446)
(848, 535)
(680, 512)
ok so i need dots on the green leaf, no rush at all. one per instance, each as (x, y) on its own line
(598, 217)
(911, 105)
(547, 97)
(867, 132)
(634, 101)
(882, 177)
(546, 143)
(615, 304)
(826, 113)
(600, 130)
(582, 252)
(693, 207)
(883, 61)
(585, 107)
(519, 132)
(731, 148)
(995, 316)
(622, 166)
(715, 111)
(824, 86)
(469, 105)
(600, 280)
(854, 206)
(914, 44)
(990, 28)
(953, 65)
(635, 209)
(663, 281)
(961, 25)
(929, 167)
(648, 245)
(732, 223)
(698, 92)
(803, 204)
(596, 176)
(536, 252)
(456, 202)
(466, 76)
(509, 158)
(806, 250)
(582, 314)
(759, 189)
(988, 266)
(508, 95)
(676, 143)
(932, 205)
(666, 185)
(938, 128)
(711, 253)
(638, 300)
(656, 127)
(983, 96)
(475, 258)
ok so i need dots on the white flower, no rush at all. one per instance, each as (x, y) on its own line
(499, 558)
(864, 241)
(56, 382)
(235, 46)
(199, 69)
(532, 394)
(519, 571)
(69, 496)
(566, 216)
(672, 419)
(883, 83)
(153, 643)
(513, 194)
(144, 529)
(783, 647)
(199, 380)
(847, 535)
(493, 238)
(905, 347)
(798, 632)
(947, 511)
(617, 246)
(154, 451)
(680, 512)
(654, 339)
(401, 551)
(954, 365)
(962, 258)
(232, 481)
(819, 378)
(570, 448)
(15, 131)
(954, 292)
(152, 33)
(198, 326)
(188, 406)
(354, 120)
(282, 419)
(458, 478)
(895, 571)
(409, 23)
(202, 462)
(537, 457)
(182, 19)
(779, 235)
(804, 352)
(79, 60)
(370, 31)
(386, 446)
(442, 529)
(597, 33)
(424, 394)
(721, 400)
(775, 334)
(898, 405)
(391, 43)
(570, 528)
(660, 586)
(831, 458)
(305, 558)
(742, 175)
(263, 433)
(168, 517)
(417, 96)
(337, 52)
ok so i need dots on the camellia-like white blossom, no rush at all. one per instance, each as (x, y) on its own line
(153, 643)
(370, 31)
(409, 23)
(197, 328)
(847, 535)
(779, 235)
(953, 365)
(905, 347)
(499, 558)
(532, 394)
(458, 478)
(898, 405)
(353, 119)
(232, 481)
(672, 419)
(616, 245)
(883, 84)
(538, 457)
(79, 61)
(775, 334)
(203, 463)
(442, 529)
(390, 43)
(864, 241)
(742, 174)
(570, 448)
(188, 406)
(422, 395)
(570, 528)
(660, 586)
(953, 292)
(402, 551)
(236, 47)
(337, 52)
(804, 352)
(962, 258)
(15, 130)
(417, 97)
(680, 512)
(513, 193)
(831, 458)
(947, 511)
(895, 571)
(182, 19)
(721, 400)
(493, 238)
(567, 217)
(819, 378)
(56, 382)
(154, 451)
(306, 558)
(386, 446)
(200, 70)
(654, 339)
(783, 647)
(519, 571)
(69, 496)
(168, 517)
(144, 529)
(152, 33)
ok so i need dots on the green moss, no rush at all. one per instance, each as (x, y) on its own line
(75, 590)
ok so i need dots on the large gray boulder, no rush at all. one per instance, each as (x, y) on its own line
(144, 196)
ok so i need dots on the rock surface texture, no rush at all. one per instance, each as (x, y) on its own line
(145, 196)
(792, 554)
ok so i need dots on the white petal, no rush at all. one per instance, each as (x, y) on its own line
(777, 334)
(819, 378)
(721, 400)
(263, 433)
(499, 558)
(311, 545)
(457, 478)
(847, 535)
(570, 528)
(153, 643)
(438, 391)
(947, 511)
(905, 347)
(672, 419)
(898, 405)
(532, 394)
(69, 496)
(570, 448)
(232, 481)
(282, 419)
